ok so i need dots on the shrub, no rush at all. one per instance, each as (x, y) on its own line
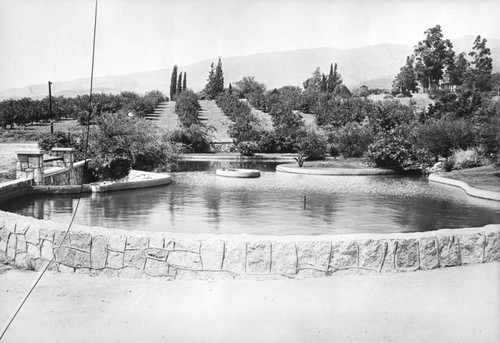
(465, 158)
(351, 140)
(448, 165)
(119, 143)
(313, 145)
(300, 159)
(388, 97)
(338, 112)
(248, 148)
(187, 108)
(441, 136)
(194, 139)
(393, 149)
(487, 131)
(57, 139)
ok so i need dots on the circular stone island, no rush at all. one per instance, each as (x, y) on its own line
(239, 173)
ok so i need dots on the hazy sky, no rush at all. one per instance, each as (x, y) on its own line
(42, 40)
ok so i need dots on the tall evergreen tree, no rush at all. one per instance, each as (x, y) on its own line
(208, 90)
(324, 84)
(215, 84)
(218, 79)
(173, 83)
(334, 79)
(184, 82)
(179, 83)
(406, 80)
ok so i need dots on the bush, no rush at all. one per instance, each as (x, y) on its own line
(465, 159)
(338, 112)
(119, 143)
(487, 131)
(57, 139)
(351, 140)
(313, 145)
(60, 139)
(248, 148)
(187, 108)
(441, 136)
(194, 139)
(394, 149)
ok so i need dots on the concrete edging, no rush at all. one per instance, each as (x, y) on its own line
(295, 169)
(30, 243)
(475, 192)
(102, 187)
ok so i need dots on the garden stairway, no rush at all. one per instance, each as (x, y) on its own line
(212, 116)
(265, 118)
(165, 116)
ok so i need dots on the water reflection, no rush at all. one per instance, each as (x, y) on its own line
(200, 202)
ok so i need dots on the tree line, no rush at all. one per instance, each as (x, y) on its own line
(434, 65)
(22, 112)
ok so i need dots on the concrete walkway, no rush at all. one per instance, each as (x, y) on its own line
(447, 305)
(472, 191)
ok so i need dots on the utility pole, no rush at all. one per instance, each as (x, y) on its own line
(50, 109)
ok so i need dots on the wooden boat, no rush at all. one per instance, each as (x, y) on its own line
(240, 173)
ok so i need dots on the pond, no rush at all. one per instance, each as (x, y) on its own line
(275, 204)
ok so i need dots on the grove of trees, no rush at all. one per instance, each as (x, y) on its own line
(22, 112)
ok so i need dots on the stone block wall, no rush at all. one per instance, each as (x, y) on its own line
(31, 243)
(63, 176)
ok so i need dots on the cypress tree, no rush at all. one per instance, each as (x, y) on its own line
(173, 83)
(230, 89)
(324, 84)
(184, 82)
(179, 84)
(210, 82)
(218, 79)
(334, 79)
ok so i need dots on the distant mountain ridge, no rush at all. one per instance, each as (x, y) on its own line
(374, 66)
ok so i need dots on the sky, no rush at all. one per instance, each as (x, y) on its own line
(42, 40)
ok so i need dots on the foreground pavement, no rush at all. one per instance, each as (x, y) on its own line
(447, 305)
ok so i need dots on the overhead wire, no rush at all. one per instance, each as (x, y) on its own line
(44, 270)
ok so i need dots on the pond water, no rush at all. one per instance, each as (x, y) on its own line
(275, 204)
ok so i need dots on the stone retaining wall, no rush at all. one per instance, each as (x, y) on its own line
(62, 176)
(29, 243)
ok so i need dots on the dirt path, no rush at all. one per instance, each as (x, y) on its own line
(459, 304)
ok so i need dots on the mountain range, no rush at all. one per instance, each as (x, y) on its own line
(374, 66)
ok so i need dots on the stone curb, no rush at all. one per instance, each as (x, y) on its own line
(30, 243)
(237, 157)
(120, 186)
(294, 169)
(475, 192)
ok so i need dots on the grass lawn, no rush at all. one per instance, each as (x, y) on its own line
(486, 177)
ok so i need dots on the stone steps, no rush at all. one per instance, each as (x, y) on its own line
(212, 116)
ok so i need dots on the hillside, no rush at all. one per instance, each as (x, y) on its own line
(372, 65)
